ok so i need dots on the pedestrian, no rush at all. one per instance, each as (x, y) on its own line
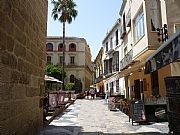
(87, 94)
(107, 96)
(92, 92)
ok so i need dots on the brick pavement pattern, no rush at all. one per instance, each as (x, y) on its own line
(92, 117)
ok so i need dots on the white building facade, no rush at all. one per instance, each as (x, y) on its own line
(112, 46)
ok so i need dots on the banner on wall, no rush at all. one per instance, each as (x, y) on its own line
(164, 55)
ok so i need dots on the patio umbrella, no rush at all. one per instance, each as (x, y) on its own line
(52, 79)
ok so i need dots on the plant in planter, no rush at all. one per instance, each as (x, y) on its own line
(69, 87)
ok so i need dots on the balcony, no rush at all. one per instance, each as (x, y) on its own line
(128, 18)
(126, 60)
(111, 50)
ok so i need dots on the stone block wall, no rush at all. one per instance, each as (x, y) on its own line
(22, 60)
(173, 14)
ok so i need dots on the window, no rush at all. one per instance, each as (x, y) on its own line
(139, 25)
(117, 85)
(111, 43)
(154, 13)
(107, 47)
(72, 59)
(117, 37)
(72, 47)
(49, 47)
(111, 88)
(116, 61)
(110, 65)
(60, 47)
(49, 60)
(105, 67)
(124, 23)
(60, 59)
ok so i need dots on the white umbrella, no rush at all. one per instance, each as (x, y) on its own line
(49, 78)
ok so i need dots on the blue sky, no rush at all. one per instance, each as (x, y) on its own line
(95, 18)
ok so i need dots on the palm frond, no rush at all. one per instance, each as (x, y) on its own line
(55, 16)
(64, 10)
(74, 13)
(69, 19)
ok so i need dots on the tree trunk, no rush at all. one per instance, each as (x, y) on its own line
(63, 88)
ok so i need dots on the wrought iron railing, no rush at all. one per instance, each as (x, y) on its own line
(126, 60)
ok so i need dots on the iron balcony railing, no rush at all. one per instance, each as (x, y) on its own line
(126, 60)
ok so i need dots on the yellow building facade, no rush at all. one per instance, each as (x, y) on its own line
(77, 58)
(98, 73)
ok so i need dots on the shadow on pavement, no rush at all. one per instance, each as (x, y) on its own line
(76, 130)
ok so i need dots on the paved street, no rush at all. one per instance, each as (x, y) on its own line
(92, 117)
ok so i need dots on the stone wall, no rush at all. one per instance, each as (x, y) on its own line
(22, 60)
(173, 14)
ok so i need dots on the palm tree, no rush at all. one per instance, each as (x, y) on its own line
(64, 11)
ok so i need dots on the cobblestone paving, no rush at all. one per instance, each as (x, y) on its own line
(92, 117)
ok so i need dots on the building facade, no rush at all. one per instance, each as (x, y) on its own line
(98, 73)
(22, 61)
(139, 33)
(112, 53)
(77, 58)
(140, 21)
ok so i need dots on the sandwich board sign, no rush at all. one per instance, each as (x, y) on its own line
(137, 111)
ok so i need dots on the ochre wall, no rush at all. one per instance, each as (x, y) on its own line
(162, 73)
(22, 60)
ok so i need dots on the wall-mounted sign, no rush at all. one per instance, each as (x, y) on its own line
(165, 54)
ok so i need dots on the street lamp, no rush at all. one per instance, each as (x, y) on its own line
(163, 33)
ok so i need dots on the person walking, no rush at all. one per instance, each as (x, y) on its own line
(107, 96)
(92, 92)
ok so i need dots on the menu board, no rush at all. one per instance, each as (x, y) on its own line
(138, 112)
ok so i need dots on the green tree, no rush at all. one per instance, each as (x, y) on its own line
(54, 71)
(69, 86)
(64, 11)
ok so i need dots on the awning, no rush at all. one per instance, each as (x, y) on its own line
(52, 79)
(165, 54)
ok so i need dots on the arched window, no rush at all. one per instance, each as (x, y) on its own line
(49, 47)
(60, 47)
(72, 78)
(72, 47)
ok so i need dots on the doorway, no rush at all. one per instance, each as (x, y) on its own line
(155, 83)
(137, 89)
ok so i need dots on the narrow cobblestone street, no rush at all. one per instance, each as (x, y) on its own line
(92, 117)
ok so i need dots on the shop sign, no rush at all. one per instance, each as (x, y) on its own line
(166, 54)
(160, 113)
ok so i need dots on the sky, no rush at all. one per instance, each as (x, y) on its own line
(95, 18)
